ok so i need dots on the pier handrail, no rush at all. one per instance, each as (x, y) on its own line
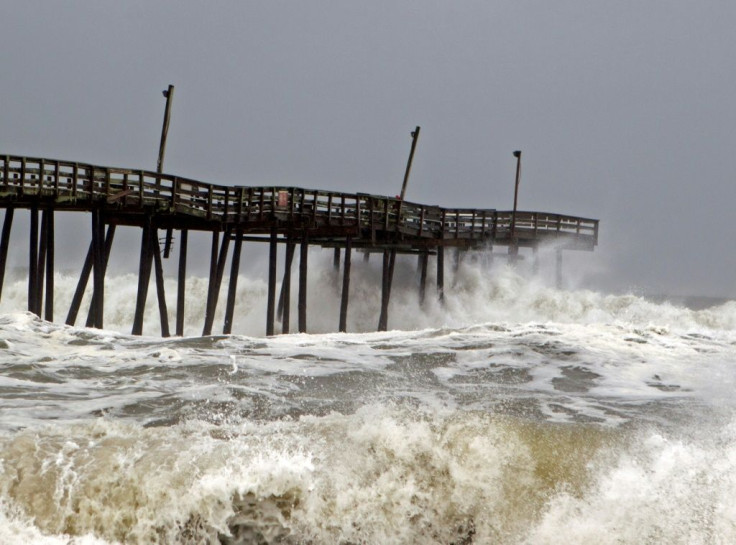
(80, 184)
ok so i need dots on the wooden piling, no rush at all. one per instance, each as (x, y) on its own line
(391, 265)
(144, 276)
(41, 269)
(33, 263)
(211, 283)
(160, 291)
(272, 256)
(98, 267)
(169, 237)
(441, 273)
(5, 244)
(71, 317)
(233, 285)
(224, 246)
(283, 310)
(49, 310)
(423, 262)
(303, 265)
(386, 278)
(216, 282)
(93, 301)
(345, 286)
(336, 259)
(181, 282)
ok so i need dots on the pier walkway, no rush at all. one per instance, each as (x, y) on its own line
(293, 216)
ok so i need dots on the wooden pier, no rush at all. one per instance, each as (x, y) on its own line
(155, 201)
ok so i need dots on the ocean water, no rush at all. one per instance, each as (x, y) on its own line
(515, 413)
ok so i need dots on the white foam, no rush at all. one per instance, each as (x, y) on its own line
(666, 490)
(476, 294)
(405, 436)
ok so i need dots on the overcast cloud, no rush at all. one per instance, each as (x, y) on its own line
(625, 110)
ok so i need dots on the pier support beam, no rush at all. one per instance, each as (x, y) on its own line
(33, 305)
(389, 259)
(41, 270)
(90, 256)
(303, 264)
(49, 309)
(345, 286)
(422, 266)
(441, 273)
(217, 269)
(233, 285)
(144, 276)
(181, 282)
(391, 265)
(272, 258)
(212, 280)
(98, 267)
(84, 278)
(336, 260)
(5, 244)
(163, 311)
(283, 309)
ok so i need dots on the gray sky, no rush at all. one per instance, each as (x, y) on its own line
(625, 110)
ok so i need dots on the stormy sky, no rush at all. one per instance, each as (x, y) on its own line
(625, 111)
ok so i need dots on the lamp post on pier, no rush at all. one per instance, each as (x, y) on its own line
(169, 95)
(513, 246)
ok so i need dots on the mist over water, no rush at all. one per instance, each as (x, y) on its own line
(515, 413)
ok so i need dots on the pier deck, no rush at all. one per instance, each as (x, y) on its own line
(274, 214)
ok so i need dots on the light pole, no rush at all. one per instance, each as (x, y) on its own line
(414, 138)
(169, 95)
(517, 154)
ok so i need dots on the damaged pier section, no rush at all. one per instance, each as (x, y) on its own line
(299, 218)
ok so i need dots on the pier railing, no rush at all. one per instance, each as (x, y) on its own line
(75, 185)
